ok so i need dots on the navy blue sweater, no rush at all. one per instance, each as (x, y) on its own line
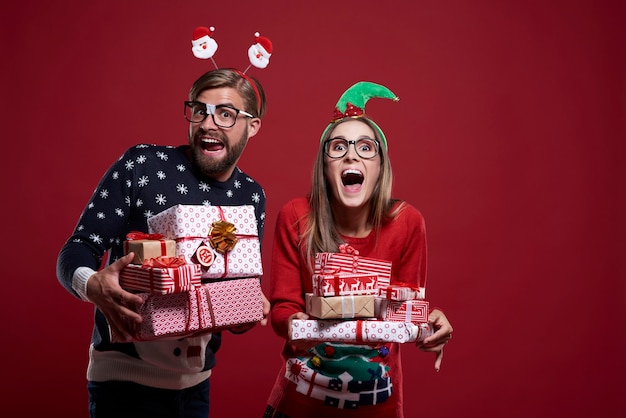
(146, 180)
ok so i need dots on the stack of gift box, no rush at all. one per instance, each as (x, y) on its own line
(198, 270)
(354, 301)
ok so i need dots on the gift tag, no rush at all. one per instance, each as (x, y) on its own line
(205, 255)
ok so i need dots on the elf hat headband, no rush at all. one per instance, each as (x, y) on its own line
(352, 102)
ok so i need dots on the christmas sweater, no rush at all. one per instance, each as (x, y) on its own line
(372, 386)
(146, 180)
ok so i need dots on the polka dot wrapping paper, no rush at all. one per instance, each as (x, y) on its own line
(210, 307)
(358, 331)
(192, 227)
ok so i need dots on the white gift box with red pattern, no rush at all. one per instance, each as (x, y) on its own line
(160, 280)
(358, 331)
(344, 284)
(415, 311)
(193, 228)
(210, 307)
(350, 263)
(401, 292)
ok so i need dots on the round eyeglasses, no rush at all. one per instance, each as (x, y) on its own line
(365, 148)
(224, 116)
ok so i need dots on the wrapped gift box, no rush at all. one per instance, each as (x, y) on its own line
(415, 311)
(161, 275)
(347, 263)
(147, 246)
(344, 284)
(340, 306)
(358, 331)
(224, 240)
(210, 307)
(401, 292)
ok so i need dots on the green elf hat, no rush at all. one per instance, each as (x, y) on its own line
(352, 102)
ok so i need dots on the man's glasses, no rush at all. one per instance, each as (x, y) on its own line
(223, 116)
(365, 148)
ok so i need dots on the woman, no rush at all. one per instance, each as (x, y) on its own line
(350, 203)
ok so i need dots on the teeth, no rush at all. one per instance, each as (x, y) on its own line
(351, 171)
(210, 140)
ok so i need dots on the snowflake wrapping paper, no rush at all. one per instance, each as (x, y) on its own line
(415, 311)
(190, 226)
(357, 331)
(341, 263)
(210, 307)
(362, 306)
(149, 248)
(158, 280)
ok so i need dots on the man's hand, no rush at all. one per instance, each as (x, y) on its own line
(117, 305)
(240, 329)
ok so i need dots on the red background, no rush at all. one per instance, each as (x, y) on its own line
(508, 136)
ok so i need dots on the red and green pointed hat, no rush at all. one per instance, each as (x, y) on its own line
(352, 102)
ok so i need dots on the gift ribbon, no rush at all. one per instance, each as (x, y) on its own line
(408, 310)
(359, 331)
(164, 262)
(345, 249)
(343, 308)
(348, 249)
(390, 288)
(327, 271)
(336, 285)
(199, 310)
(170, 263)
(133, 235)
(138, 235)
(236, 238)
(223, 218)
(223, 238)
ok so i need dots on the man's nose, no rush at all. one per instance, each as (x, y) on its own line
(209, 123)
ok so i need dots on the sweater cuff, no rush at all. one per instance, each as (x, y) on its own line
(79, 281)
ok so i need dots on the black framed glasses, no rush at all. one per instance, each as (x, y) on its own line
(365, 148)
(224, 116)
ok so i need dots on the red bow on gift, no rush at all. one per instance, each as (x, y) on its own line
(164, 262)
(348, 249)
(142, 235)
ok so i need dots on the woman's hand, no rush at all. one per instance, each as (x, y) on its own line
(441, 336)
(303, 345)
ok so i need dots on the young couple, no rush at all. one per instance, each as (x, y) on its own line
(349, 203)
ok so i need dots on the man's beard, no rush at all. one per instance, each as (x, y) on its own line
(213, 168)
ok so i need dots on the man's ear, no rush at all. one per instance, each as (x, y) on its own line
(253, 127)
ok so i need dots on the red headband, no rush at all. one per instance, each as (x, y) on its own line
(254, 87)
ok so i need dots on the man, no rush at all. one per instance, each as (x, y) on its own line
(163, 378)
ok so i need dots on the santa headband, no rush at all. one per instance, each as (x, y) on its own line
(352, 102)
(204, 46)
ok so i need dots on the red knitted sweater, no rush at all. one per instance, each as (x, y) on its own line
(401, 241)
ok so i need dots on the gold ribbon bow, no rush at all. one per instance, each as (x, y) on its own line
(223, 238)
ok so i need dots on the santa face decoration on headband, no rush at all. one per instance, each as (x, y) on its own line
(260, 52)
(203, 45)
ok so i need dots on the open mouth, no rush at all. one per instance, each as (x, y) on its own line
(352, 177)
(210, 144)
